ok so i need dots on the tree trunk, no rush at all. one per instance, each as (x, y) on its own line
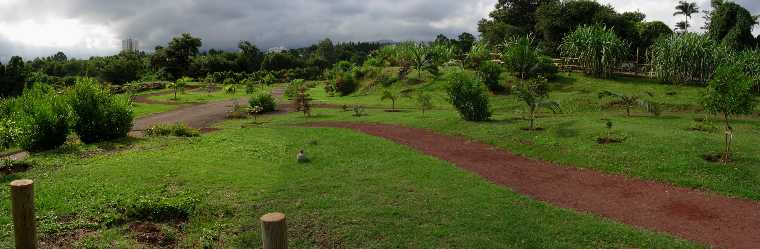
(729, 139)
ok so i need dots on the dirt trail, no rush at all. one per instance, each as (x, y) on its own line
(707, 218)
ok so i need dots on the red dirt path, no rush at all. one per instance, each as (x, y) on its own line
(690, 214)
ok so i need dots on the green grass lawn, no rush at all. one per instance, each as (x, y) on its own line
(656, 148)
(143, 110)
(202, 96)
(358, 192)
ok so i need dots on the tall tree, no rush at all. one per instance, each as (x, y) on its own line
(466, 41)
(732, 25)
(510, 18)
(14, 77)
(686, 9)
(175, 59)
(249, 58)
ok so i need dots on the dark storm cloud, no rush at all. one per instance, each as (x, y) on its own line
(268, 23)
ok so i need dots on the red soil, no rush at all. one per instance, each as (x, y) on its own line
(690, 214)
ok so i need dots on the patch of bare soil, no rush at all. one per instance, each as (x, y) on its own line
(712, 219)
(152, 235)
(63, 240)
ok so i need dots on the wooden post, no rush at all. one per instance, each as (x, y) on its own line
(274, 231)
(22, 208)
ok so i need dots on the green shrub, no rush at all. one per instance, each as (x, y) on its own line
(468, 96)
(345, 83)
(263, 100)
(176, 130)
(293, 87)
(99, 116)
(42, 117)
(489, 72)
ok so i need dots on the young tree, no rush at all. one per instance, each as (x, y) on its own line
(686, 9)
(729, 93)
(520, 55)
(424, 101)
(179, 85)
(388, 95)
(535, 94)
(630, 101)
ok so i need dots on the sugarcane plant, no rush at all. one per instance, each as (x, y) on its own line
(597, 48)
(535, 95)
(630, 101)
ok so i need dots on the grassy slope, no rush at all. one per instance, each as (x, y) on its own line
(359, 192)
(657, 148)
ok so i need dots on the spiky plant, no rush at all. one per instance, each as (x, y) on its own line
(520, 55)
(630, 101)
(687, 58)
(535, 95)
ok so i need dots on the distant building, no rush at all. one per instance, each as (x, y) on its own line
(130, 45)
(277, 50)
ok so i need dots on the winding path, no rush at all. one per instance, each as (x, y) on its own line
(690, 214)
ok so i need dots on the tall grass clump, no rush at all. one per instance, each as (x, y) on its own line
(598, 49)
(98, 115)
(687, 58)
(41, 119)
(467, 94)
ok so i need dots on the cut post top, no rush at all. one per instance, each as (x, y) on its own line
(24, 183)
(273, 217)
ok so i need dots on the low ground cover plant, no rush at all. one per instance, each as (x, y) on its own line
(174, 130)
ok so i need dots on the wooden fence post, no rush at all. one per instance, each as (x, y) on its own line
(22, 208)
(274, 231)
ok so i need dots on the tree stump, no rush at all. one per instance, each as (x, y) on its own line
(274, 234)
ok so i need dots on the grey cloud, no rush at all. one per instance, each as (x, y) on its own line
(268, 23)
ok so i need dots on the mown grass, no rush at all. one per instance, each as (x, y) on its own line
(655, 148)
(358, 192)
(199, 96)
(144, 110)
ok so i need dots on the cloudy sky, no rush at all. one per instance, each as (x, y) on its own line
(82, 28)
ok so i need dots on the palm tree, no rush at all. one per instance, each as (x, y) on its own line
(536, 96)
(388, 95)
(630, 101)
(686, 9)
(179, 85)
(683, 26)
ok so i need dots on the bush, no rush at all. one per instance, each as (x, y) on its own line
(489, 72)
(42, 118)
(467, 95)
(293, 87)
(345, 83)
(263, 100)
(176, 130)
(99, 116)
